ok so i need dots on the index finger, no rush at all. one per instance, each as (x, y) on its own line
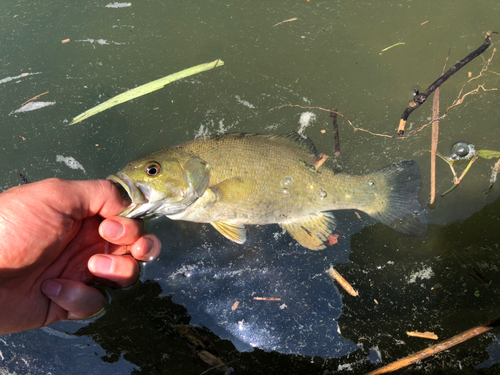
(80, 199)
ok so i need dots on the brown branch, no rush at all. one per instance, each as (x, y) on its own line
(438, 348)
(33, 98)
(421, 98)
(333, 114)
(343, 282)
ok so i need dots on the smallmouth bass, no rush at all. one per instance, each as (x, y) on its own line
(237, 179)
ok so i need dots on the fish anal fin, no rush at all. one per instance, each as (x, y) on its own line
(313, 231)
(232, 231)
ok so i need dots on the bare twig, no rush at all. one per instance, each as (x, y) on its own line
(33, 98)
(343, 282)
(438, 348)
(320, 160)
(338, 113)
(290, 20)
(423, 335)
(479, 277)
(456, 181)
(333, 114)
(435, 135)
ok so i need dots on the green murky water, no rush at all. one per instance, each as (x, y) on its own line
(330, 57)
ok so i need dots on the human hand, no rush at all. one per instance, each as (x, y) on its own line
(58, 237)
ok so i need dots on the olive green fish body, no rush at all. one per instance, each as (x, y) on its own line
(262, 179)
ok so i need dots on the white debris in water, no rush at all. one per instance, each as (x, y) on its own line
(202, 132)
(32, 106)
(102, 42)
(118, 5)
(222, 128)
(244, 102)
(7, 79)
(70, 162)
(305, 120)
(60, 334)
(272, 127)
(425, 273)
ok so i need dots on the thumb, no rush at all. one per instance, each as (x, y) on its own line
(72, 299)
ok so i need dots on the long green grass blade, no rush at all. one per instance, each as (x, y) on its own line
(146, 89)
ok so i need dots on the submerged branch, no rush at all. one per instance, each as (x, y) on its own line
(333, 114)
(419, 99)
(438, 348)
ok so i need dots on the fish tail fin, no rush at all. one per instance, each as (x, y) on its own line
(398, 206)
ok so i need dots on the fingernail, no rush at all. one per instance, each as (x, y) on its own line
(51, 288)
(112, 229)
(102, 264)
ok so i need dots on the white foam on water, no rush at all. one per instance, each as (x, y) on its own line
(70, 162)
(118, 5)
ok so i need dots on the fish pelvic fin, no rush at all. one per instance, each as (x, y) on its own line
(232, 231)
(313, 231)
(399, 208)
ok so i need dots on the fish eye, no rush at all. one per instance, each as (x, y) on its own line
(153, 169)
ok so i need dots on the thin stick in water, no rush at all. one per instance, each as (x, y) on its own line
(33, 98)
(438, 348)
(343, 282)
(435, 135)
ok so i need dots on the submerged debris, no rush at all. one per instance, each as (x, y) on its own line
(343, 282)
(479, 277)
(23, 178)
(424, 273)
(423, 335)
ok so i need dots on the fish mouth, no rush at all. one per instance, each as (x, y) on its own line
(137, 193)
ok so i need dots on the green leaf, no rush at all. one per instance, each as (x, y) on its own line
(146, 89)
(476, 293)
(488, 154)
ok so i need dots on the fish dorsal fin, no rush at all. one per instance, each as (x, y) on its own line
(234, 232)
(291, 139)
(313, 231)
(297, 140)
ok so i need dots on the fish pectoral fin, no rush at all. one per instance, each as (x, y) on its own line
(231, 190)
(313, 231)
(234, 232)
